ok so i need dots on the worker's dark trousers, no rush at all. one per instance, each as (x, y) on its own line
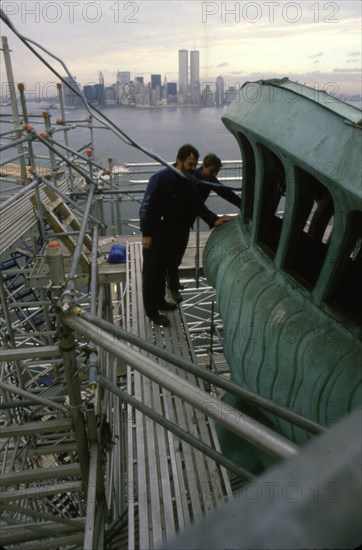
(173, 263)
(154, 277)
(161, 261)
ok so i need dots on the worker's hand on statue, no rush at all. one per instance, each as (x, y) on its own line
(146, 242)
(222, 219)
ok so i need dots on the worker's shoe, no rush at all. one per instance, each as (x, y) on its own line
(176, 296)
(160, 319)
(167, 306)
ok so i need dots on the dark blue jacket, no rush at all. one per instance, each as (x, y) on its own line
(170, 206)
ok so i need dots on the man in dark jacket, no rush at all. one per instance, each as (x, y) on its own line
(208, 171)
(170, 205)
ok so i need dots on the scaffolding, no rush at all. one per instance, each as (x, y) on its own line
(65, 341)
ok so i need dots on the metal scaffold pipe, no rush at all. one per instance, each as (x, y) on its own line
(188, 366)
(67, 295)
(21, 89)
(44, 139)
(240, 424)
(65, 133)
(13, 143)
(82, 232)
(175, 429)
(73, 152)
(32, 397)
(14, 105)
(93, 357)
(94, 271)
(6, 314)
(49, 131)
(67, 347)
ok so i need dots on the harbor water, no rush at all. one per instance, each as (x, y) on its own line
(158, 130)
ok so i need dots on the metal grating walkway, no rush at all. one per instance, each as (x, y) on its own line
(171, 484)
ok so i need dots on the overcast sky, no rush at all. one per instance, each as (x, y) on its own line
(317, 43)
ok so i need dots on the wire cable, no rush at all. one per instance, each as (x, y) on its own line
(101, 117)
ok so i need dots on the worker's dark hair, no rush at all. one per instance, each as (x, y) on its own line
(185, 151)
(212, 160)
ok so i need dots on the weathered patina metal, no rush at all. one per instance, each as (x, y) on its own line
(287, 280)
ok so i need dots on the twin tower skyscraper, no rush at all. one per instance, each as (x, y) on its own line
(189, 83)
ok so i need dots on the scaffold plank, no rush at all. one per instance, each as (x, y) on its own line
(173, 483)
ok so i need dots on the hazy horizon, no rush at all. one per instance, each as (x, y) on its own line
(315, 43)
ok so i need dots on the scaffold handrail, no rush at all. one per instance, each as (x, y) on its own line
(213, 378)
(236, 422)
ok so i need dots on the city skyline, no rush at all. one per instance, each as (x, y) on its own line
(317, 43)
(128, 90)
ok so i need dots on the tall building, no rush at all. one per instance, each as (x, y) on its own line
(94, 93)
(220, 91)
(71, 99)
(155, 81)
(123, 77)
(208, 95)
(171, 92)
(123, 81)
(195, 76)
(164, 89)
(172, 88)
(101, 96)
(139, 94)
(183, 73)
(230, 94)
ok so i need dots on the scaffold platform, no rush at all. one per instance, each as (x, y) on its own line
(163, 482)
(171, 484)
